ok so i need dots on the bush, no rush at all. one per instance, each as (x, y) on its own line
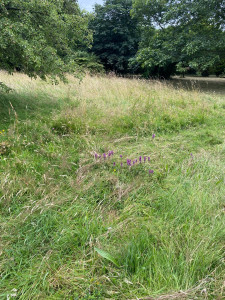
(89, 62)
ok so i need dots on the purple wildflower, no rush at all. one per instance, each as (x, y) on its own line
(121, 164)
(145, 157)
(134, 162)
(153, 136)
(114, 164)
(140, 158)
(121, 156)
(149, 158)
(104, 155)
(111, 152)
(99, 156)
(150, 171)
(129, 162)
(96, 156)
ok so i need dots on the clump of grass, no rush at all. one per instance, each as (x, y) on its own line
(155, 234)
(4, 148)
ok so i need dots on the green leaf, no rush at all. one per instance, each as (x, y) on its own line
(107, 256)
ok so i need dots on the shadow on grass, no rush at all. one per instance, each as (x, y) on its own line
(23, 106)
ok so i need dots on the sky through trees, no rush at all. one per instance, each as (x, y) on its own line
(88, 4)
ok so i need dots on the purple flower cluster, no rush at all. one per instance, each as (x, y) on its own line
(129, 162)
(140, 159)
(104, 155)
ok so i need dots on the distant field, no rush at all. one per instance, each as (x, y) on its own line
(76, 226)
(203, 84)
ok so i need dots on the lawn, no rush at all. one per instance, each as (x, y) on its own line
(79, 220)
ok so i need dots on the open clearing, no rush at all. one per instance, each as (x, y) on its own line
(76, 227)
(211, 85)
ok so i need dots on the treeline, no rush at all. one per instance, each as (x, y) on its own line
(155, 38)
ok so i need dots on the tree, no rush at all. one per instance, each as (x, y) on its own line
(39, 37)
(115, 34)
(88, 61)
(180, 34)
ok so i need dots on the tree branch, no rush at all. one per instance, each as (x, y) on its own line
(31, 11)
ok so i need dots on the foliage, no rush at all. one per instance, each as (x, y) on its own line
(187, 34)
(107, 256)
(218, 69)
(39, 37)
(115, 34)
(88, 61)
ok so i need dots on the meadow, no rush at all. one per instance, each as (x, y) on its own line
(111, 188)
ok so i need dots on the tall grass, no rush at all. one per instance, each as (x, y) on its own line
(76, 228)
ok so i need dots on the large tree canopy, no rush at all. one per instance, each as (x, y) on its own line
(40, 36)
(115, 34)
(180, 34)
(50, 37)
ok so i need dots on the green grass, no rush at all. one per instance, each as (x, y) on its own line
(74, 228)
